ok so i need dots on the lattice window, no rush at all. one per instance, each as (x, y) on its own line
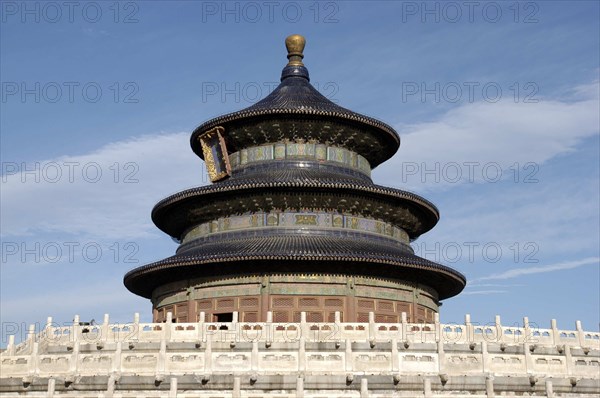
(366, 304)
(249, 302)
(205, 305)
(225, 303)
(386, 305)
(403, 307)
(362, 317)
(283, 302)
(279, 317)
(391, 319)
(180, 309)
(308, 302)
(333, 303)
(250, 317)
(314, 317)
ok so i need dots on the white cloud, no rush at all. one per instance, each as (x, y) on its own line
(108, 193)
(483, 292)
(529, 221)
(488, 135)
(514, 273)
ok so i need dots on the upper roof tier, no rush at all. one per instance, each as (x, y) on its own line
(295, 110)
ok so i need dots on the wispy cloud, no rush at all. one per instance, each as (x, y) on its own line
(107, 193)
(483, 292)
(472, 285)
(465, 140)
(514, 273)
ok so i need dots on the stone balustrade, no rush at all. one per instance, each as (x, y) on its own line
(301, 359)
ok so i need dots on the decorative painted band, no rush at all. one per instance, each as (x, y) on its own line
(304, 220)
(300, 150)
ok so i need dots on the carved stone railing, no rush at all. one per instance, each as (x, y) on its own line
(253, 351)
(269, 331)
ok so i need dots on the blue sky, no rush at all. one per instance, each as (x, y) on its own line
(497, 107)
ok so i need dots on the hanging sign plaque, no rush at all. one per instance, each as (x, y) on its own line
(215, 154)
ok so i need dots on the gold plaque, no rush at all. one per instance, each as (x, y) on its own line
(215, 153)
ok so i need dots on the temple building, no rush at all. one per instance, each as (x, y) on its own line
(293, 221)
(294, 277)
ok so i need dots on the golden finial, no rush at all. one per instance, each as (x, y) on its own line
(295, 47)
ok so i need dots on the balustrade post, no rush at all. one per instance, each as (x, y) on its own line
(208, 357)
(580, 333)
(485, 357)
(31, 334)
(555, 334)
(51, 387)
(348, 355)
(237, 387)
(549, 388)
(110, 387)
(528, 358)
(116, 363)
(568, 359)
(10, 347)
(162, 360)
(526, 329)
(489, 386)
(269, 329)
(173, 387)
(299, 387)
(200, 326)
(105, 329)
(136, 326)
(364, 387)
(254, 356)
(403, 326)
(372, 329)
(168, 331)
(74, 362)
(302, 355)
(48, 329)
(499, 331)
(33, 359)
(436, 325)
(427, 387)
(76, 328)
(303, 324)
(395, 359)
(31, 343)
(469, 328)
(441, 356)
(337, 320)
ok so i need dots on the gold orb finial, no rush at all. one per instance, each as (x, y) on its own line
(295, 46)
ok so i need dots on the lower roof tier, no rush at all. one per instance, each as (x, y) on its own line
(349, 253)
(294, 188)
